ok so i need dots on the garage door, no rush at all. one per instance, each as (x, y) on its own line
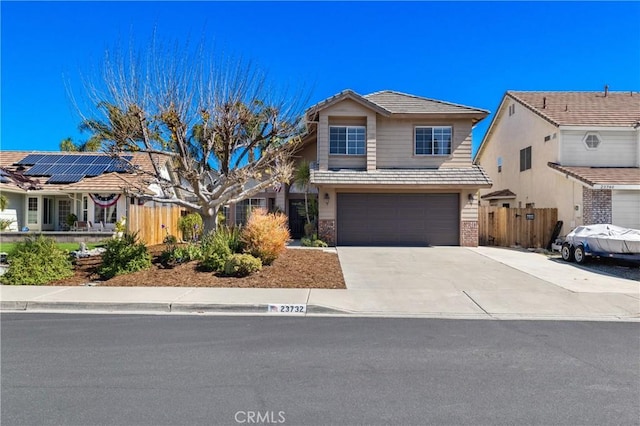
(625, 209)
(398, 219)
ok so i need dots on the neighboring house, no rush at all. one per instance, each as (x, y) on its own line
(578, 152)
(394, 169)
(43, 188)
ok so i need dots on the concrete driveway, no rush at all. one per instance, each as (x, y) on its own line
(501, 283)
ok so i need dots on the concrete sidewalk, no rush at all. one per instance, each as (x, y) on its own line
(529, 286)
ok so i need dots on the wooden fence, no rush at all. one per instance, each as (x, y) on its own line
(148, 221)
(506, 227)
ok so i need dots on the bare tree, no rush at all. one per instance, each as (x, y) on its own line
(226, 133)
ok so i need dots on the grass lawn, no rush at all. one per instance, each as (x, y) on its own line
(9, 247)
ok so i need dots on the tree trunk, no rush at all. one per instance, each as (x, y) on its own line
(210, 222)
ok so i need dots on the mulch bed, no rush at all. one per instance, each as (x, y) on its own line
(295, 268)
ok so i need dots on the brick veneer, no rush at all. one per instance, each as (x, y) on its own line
(327, 231)
(469, 233)
(596, 206)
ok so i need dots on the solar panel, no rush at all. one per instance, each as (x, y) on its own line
(30, 160)
(96, 170)
(38, 170)
(67, 159)
(4, 177)
(48, 159)
(104, 159)
(76, 169)
(57, 169)
(65, 178)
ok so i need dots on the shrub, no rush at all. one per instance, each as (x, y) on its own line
(170, 239)
(312, 242)
(180, 254)
(190, 226)
(123, 256)
(241, 265)
(37, 260)
(5, 224)
(265, 236)
(218, 246)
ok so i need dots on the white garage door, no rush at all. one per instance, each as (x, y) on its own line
(625, 206)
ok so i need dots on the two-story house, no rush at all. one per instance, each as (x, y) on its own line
(578, 152)
(395, 169)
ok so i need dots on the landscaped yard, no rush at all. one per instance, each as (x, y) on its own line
(295, 268)
(9, 247)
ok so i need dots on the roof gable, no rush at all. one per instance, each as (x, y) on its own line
(346, 94)
(615, 109)
(403, 103)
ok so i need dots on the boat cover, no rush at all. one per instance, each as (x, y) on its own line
(606, 239)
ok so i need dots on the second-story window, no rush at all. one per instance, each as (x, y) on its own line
(433, 140)
(525, 159)
(347, 140)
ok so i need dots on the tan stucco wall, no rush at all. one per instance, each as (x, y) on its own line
(396, 141)
(540, 184)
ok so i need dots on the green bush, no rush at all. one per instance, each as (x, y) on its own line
(312, 242)
(123, 256)
(190, 226)
(218, 246)
(170, 239)
(37, 260)
(241, 265)
(180, 254)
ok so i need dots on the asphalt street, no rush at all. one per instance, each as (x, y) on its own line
(185, 370)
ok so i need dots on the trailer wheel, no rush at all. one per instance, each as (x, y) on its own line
(578, 254)
(567, 252)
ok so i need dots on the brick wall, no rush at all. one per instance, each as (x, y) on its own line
(327, 231)
(469, 234)
(596, 206)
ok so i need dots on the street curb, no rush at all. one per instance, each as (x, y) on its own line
(98, 306)
(164, 307)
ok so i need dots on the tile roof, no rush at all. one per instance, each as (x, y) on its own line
(616, 109)
(108, 182)
(472, 176)
(601, 175)
(403, 103)
(503, 193)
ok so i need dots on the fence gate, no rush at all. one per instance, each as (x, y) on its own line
(148, 221)
(506, 227)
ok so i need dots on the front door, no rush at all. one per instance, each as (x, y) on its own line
(296, 220)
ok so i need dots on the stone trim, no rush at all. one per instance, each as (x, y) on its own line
(469, 233)
(596, 205)
(327, 231)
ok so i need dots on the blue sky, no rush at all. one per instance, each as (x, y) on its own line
(462, 52)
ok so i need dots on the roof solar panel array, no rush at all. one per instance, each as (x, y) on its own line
(68, 168)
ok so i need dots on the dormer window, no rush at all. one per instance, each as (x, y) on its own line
(591, 140)
(347, 140)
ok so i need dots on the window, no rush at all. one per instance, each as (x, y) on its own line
(512, 109)
(64, 210)
(505, 205)
(245, 207)
(525, 159)
(592, 140)
(105, 214)
(32, 210)
(499, 164)
(347, 140)
(85, 208)
(433, 140)
(47, 211)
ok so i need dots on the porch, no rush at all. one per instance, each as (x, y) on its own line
(60, 236)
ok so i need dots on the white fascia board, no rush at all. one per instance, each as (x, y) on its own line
(597, 128)
(621, 187)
